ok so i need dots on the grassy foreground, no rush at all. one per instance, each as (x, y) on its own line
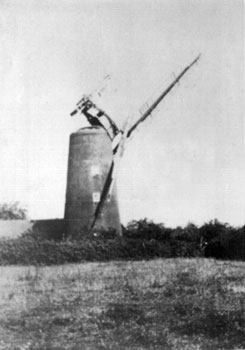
(172, 304)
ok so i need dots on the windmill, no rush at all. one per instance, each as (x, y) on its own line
(118, 139)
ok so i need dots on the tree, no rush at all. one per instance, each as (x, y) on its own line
(216, 236)
(12, 211)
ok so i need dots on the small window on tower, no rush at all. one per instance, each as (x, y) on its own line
(95, 170)
(96, 197)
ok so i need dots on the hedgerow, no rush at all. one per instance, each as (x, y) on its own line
(29, 251)
(141, 240)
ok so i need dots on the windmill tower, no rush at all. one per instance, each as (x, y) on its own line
(94, 157)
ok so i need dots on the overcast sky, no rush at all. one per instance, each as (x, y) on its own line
(184, 164)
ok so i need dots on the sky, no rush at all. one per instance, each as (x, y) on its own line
(184, 164)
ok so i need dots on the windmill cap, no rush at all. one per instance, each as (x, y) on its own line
(90, 130)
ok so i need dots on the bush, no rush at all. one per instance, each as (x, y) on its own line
(147, 230)
(12, 211)
(223, 241)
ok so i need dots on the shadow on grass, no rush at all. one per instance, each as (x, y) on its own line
(122, 313)
(207, 309)
(131, 328)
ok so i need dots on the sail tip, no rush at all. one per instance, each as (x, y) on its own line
(198, 57)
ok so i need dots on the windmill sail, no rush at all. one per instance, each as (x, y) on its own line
(118, 149)
(111, 177)
(103, 196)
(161, 97)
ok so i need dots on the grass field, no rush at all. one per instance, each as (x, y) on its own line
(172, 304)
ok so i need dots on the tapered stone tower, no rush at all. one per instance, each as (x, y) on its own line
(90, 157)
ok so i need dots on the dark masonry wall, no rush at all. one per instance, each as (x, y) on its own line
(46, 229)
